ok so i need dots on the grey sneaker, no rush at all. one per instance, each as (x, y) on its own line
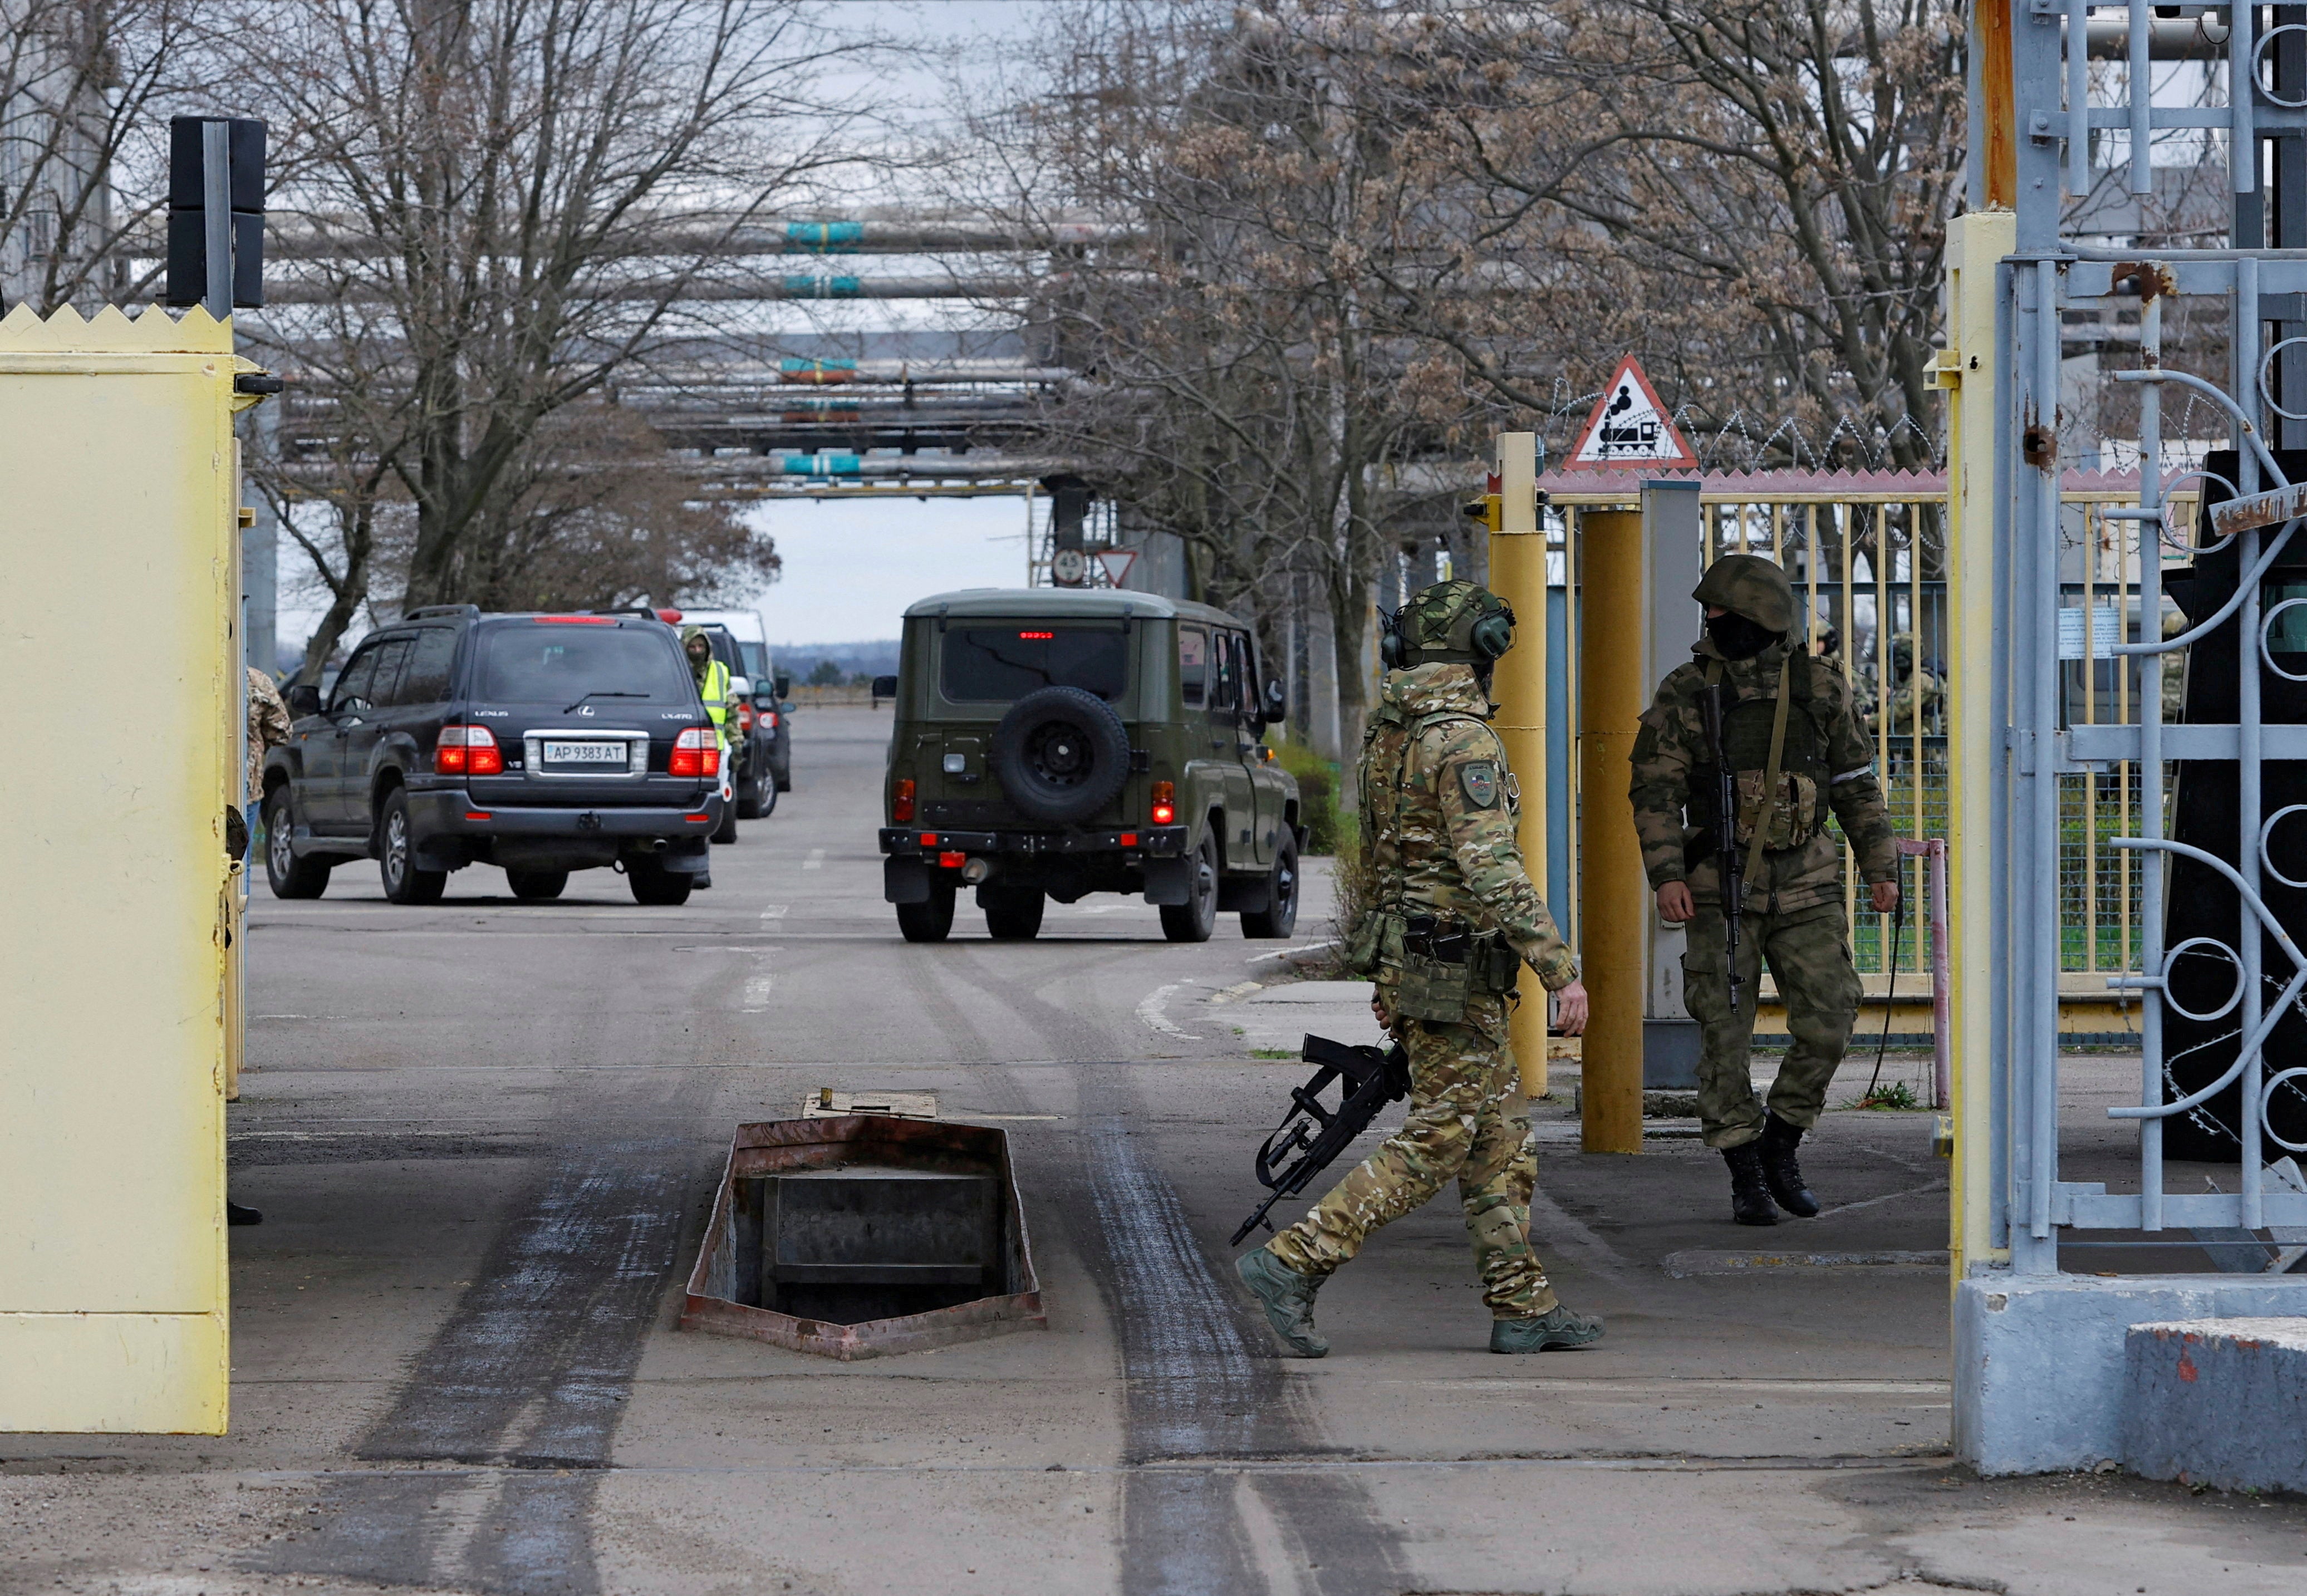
(1288, 1297)
(1556, 1327)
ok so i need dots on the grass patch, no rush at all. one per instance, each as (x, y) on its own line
(1272, 1052)
(1896, 1097)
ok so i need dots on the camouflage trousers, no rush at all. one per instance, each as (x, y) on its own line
(1809, 954)
(1462, 1078)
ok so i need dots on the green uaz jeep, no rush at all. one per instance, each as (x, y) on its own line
(1052, 742)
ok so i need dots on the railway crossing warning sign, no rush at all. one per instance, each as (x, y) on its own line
(1630, 428)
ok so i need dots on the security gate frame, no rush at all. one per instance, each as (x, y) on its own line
(2043, 104)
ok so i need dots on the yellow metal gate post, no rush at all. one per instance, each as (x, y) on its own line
(1613, 898)
(1974, 243)
(1518, 575)
(116, 445)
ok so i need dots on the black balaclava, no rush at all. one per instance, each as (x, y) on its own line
(1737, 638)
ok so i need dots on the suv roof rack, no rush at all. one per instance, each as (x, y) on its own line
(422, 610)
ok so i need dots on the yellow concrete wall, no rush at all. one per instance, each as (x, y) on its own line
(118, 536)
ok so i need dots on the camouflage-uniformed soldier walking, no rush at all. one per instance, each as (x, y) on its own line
(1457, 917)
(1793, 915)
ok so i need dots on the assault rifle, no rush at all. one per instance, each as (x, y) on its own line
(1732, 869)
(1370, 1078)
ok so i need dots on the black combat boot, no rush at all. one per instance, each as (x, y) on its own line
(1750, 1193)
(1779, 1141)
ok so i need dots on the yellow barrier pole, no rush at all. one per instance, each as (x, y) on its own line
(1614, 896)
(1518, 576)
(1974, 243)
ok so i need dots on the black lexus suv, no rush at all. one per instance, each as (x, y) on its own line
(539, 744)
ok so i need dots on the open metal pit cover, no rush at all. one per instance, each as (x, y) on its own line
(865, 1234)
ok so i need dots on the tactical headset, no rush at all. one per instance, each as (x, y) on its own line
(1482, 631)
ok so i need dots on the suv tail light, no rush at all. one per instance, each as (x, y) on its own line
(745, 718)
(467, 750)
(900, 807)
(695, 752)
(1165, 803)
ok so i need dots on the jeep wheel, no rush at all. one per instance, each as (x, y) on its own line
(404, 882)
(291, 876)
(1279, 918)
(1012, 914)
(1060, 754)
(1194, 919)
(931, 919)
(537, 885)
(656, 886)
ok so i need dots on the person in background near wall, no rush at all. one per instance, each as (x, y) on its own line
(267, 729)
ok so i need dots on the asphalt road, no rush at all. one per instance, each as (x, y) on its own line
(486, 1135)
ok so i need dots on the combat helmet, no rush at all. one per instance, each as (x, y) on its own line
(1456, 621)
(1750, 586)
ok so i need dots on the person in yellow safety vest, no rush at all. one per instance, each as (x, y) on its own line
(712, 683)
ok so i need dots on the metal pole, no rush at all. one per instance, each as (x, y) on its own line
(1518, 575)
(216, 215)
(1941, 1022)
(2150, 750)
(1613, 891)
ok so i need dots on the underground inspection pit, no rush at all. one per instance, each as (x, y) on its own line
(863, 1235)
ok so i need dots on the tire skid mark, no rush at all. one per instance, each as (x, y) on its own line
(529, 1375)
(1201, 1382)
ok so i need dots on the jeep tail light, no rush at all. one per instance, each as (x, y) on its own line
(769, 719)
(745, 718)
(1165, 803)
(467, 750)
(695, 752)
(900, 807)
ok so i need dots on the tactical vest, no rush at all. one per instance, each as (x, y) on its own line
(1443, 964)
(1800, 812)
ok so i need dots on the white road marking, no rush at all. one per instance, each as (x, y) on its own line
(757, 992)
(1150, 1011)
(816, 860)
(774, 912)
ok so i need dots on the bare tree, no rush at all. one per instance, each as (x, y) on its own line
(85, 90)
(501, 204)
(1237, 390)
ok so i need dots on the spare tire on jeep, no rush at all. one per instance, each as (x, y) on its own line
(1060, 754)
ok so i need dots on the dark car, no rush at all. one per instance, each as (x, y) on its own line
(539, 744)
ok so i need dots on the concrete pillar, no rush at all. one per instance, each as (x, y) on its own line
(1322, 680)
(1613, 900)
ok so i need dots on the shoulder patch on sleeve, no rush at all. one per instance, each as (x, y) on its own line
(1479, 778)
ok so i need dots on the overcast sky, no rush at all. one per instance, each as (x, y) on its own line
(850, 569)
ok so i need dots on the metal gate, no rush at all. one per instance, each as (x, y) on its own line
(2244, 979)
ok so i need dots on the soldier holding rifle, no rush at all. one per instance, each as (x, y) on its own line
(1456, 917)
(1755, 726)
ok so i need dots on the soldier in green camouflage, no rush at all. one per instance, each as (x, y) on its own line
(1455, 918)
(1790, 712)
(1916, 693)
